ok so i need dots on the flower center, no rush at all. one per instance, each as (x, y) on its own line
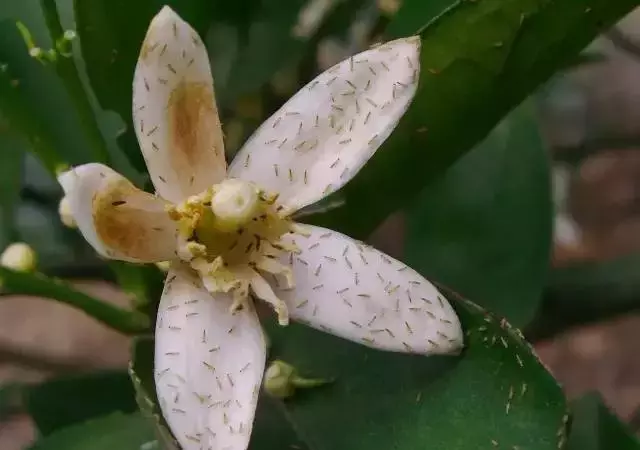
(231, 235)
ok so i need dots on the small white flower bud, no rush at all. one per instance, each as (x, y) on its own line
(64, 210)
(36, 52)
(19, 257)
(69, 35)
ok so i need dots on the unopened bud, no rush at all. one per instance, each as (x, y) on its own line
(66, 216)
(35, 52)
(63, 44)
(281, 380)
(19, 257)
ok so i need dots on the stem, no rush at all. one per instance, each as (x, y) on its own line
(119, 319)
(305, 383)
(68, 72)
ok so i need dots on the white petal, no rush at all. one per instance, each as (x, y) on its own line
(174, 109)
(322, 137)
(358, 293)
(119, 220)
(208, 365)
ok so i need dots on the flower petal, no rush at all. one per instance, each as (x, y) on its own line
(174, 109)
(358, 293)
(119, 220)
(208, 365)
(322, 137)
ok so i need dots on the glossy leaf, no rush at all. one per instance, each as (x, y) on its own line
(141, 374)
(64, 401)
(142, 282)
(496, 394)
(594, 427)
(479, 59)
(45, 115)
(115, 431)
(18, 113)
(414, 14)
(485, 226)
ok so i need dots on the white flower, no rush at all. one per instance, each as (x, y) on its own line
(229, 234)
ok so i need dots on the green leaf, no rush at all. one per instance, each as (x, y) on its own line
(141, 373)
(485, 226)
(63, 401)
(16, 85)
(594, 427)
(479, 59)
(414, 14)
(142, 282)
(119, 319)
(116, 431)
(271, 430)
(11, 169)
(495, 395)
(48, 118)
(246, 53)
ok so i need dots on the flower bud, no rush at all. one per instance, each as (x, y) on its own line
(19, 257)
(281, 380)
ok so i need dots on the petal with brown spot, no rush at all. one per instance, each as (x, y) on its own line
(116, 218)
(174, 108)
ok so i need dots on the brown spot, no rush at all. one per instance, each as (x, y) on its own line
(194, 129)
(120, 226)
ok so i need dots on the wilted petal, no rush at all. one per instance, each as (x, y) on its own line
(174, 109)
(358, 293)
(119, 220)
(322, 137)
(208, 365)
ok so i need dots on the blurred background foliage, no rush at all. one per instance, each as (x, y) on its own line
(511, 196)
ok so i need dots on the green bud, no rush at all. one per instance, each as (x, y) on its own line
(281, 380)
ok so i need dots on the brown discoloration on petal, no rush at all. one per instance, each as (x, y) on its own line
(119, 224)
(194, 123)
